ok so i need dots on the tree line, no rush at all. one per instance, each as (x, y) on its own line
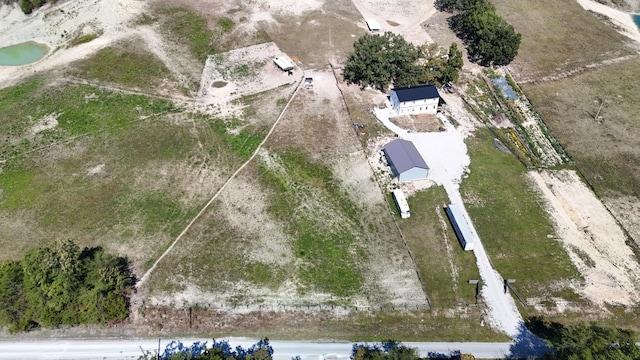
(64, 285)
(378, 60)
(489, 38)
(572, 342)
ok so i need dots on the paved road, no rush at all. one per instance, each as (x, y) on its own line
(283, 350)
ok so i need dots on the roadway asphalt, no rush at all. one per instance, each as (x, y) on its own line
(283, 350)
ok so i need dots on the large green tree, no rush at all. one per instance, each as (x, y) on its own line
(378, 60)
(489, 38)
(442, 68)
(580, 341)
(595, 342)
(62, 285)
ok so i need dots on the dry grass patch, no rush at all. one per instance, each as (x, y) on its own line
(329, 33)
(418, 123)
(606, 149)
(558, 37)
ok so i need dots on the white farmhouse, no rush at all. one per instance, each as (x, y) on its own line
(419, 99)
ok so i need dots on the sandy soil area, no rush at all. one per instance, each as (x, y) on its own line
(620, 18)
(56, 25)
(403, 17)
(241, 72)
(591, 236)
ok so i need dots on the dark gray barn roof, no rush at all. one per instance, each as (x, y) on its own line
(404, 155)
(419, 92)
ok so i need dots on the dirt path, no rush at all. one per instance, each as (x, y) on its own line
(565, 74)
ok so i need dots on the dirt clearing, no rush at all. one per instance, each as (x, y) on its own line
(596, 244)
(242, 72)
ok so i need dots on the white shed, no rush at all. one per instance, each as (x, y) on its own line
(283, 63)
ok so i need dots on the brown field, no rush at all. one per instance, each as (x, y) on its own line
(559, 37)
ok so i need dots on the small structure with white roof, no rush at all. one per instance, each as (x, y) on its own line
(283, 63)
(401, 203)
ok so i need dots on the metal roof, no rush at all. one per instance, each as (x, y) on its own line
(404, 155)
(461, 221)
(283, 63)
(419, 92)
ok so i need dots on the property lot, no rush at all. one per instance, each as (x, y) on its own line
(126, 148)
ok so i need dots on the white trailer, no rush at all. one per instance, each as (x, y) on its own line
(401, 203)
(283, 63)
(461, 226)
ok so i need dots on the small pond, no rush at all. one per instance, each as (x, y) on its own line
(23, 53)
(636, 19)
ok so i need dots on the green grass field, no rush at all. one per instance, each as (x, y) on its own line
(125, 65)
(444, 267)
(510, 218)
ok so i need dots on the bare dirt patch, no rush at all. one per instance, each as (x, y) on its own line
(317, 120)
(419, 123)
(596, 244)
(55, 25)
(399, 16)
(244, 72)
(47, 122)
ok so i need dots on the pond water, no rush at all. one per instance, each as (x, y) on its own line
(636, 19)
(23, 53)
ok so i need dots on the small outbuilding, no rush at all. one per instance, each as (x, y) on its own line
(405, 161)
(373, 26)
(420, 99)
(460, 226)
(401, 203)
(283, 63)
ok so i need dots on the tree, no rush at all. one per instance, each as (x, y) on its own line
(61, 285)
(12, 300)
(219, 350)
(489, 38)
(442, 69)
(377, 60)
(455, 5)
(596, 342)
(582, 341)
(26, 6)
(390, 349)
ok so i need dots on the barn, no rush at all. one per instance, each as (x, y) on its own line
(405, 161)
(419, 99)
